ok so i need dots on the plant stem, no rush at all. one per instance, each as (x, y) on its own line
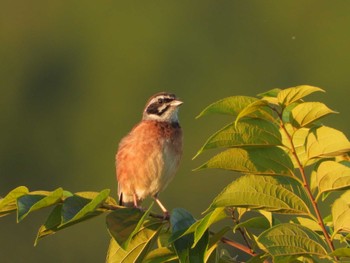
(240, 230)
(307, 188)
(237, 245)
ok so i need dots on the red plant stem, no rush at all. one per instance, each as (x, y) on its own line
(237, 245)
(307, 188)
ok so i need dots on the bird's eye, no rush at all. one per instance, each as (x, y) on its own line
(160, 101)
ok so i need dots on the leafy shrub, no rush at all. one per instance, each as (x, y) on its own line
(289, 162)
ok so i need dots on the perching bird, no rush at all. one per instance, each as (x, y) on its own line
(148, 157)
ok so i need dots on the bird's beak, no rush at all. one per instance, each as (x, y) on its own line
(176, 103)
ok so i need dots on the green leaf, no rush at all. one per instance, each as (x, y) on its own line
(341, 213)
(139, 246)
(8, 204)
(326, 142)
(181, 221)
(77, 208)
(248, 132)
(271, 93)
(269, 161)
(256, 106)
(307, 222)
(200, 227)
(308, 112)
(290, 95)
(51, 225)
(124, 223)
(341, 252)
(231, 105)
(277, 194)
(290, 239)
(32, 202)
(332, 176)
(73, 210)
(214, 242)
(160, 255)
(255, 222)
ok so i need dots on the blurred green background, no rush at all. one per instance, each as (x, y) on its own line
(75, 76)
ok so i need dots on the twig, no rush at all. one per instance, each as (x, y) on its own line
(307, 188)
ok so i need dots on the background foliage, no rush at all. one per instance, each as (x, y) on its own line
(70, 72)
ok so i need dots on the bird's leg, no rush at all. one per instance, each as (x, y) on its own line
(135, 200)
(165, 211)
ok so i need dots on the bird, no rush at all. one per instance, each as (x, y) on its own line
(148, 157)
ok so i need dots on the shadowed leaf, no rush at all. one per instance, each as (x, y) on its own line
(290, 95)
(255, 222)
(181, 220)
(269, 160)
(291, 239)
(124, 223)
(32, 202)
(139, 246)
(271, 193)
(341, 252)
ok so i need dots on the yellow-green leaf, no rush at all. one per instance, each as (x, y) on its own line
(269, 160)
(139, 245)
(231, 105)
(277, 194)
(259, 107)
(326, 142)
(306, 113)
(290, 95)
(8, 204)
(332, 176)
(291, 239)
(248, 132)
(341, 213)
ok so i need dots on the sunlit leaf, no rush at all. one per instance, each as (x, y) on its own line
(139, 246)
(332, 176)
(8, 204)
(292, 239)
(32, 202)
(290, 95)
(248, 132)
(308, 112)
(326, 142)
(307, 222)
(272, 193)
(256, 106)
(231, 105)
(124, 223)
(269, 160)
(341, 213)
(160, 255)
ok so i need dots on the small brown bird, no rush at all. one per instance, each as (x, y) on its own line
(148, 157)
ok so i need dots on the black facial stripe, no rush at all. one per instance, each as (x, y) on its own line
(154, 109)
